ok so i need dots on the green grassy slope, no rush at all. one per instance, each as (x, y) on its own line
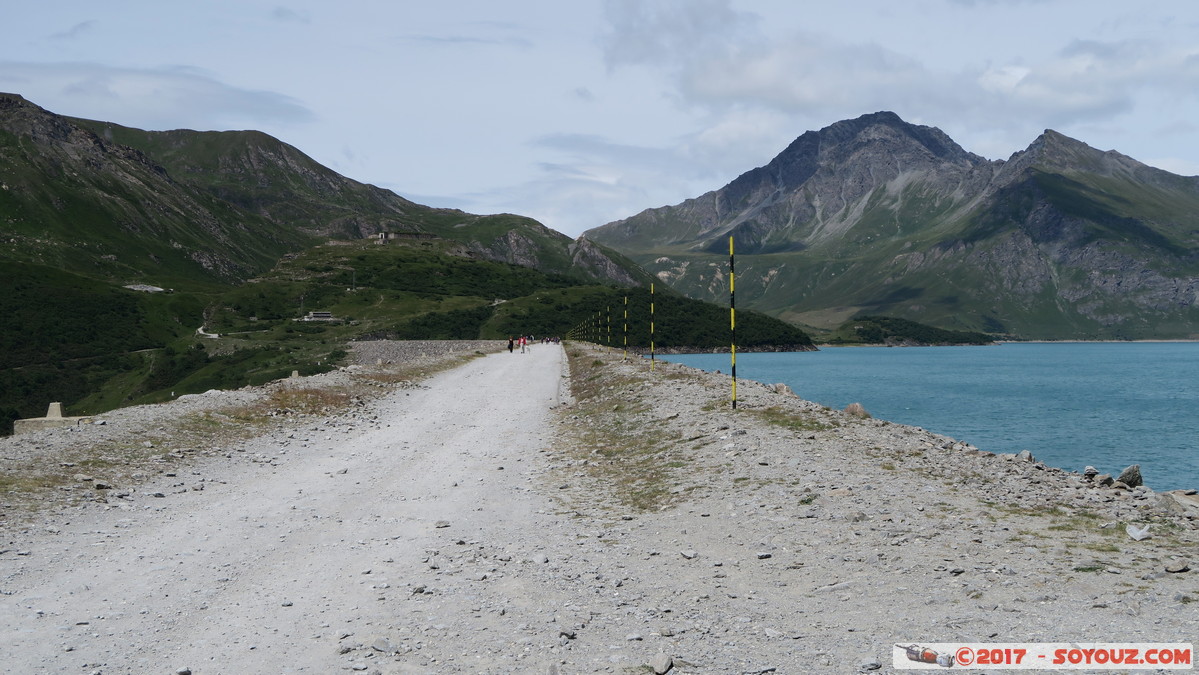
(261, 175)
(93, 346)
(105, 211)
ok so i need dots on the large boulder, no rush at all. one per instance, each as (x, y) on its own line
(1131, 476)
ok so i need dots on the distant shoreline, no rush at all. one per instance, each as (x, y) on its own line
(1051, 342)
(723, 349)
(1017, 342)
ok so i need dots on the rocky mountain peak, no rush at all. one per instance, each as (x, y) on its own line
(880, 132)
(804, 194)
(20, 117)
(875, 214)
(60, 140)
(880, 144)
(1055, 147)
(1056, 152)
(9, 102)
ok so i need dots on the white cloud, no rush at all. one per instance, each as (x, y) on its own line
(811, 75)
(167, 98)
(594, 181)
(672, 32)
(1002, 79)
(737, 141)
(820, 77)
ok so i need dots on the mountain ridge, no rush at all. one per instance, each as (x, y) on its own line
(73, 200)
(876, 215)
(127, 204)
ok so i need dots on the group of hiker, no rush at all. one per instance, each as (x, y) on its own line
(525, 341)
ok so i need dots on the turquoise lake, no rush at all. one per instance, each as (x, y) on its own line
(1108, 405)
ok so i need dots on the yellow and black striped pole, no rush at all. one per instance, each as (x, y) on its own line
(609, 329)
(626, 328)
(733, 320)
(651, 326)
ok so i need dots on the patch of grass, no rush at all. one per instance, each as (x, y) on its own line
(25, 483)
(305, 400)
(628, 457)
(792, 421)
(1031, 511)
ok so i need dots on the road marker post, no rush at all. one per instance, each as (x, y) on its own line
(733, 320)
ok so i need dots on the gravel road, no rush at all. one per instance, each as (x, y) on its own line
(516, 515)
(293, 565)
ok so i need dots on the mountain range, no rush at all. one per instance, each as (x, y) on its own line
(180, 208)
(856, 230)
(879, 216)
(141, 265)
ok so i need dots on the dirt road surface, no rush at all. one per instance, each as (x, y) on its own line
(301, 565)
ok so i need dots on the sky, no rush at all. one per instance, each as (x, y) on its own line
(581, 112)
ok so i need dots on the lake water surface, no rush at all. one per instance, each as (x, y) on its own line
(1108, 405)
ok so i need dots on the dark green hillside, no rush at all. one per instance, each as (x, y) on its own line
(443, 275)
(463, 298)
(65, 335)
(375, 284)
(94, 347)
(877, 330)
(598, 314)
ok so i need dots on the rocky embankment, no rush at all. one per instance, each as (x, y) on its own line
(809, 540)
(484, 521)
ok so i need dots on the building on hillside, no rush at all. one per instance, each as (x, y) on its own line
(384, 237)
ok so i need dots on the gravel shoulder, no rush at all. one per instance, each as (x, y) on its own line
(517, 514)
